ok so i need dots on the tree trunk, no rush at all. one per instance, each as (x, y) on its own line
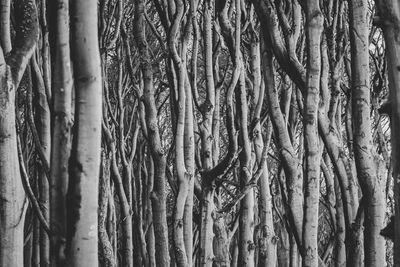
(61, 135)
(44, 134)
(374, 243)
(267, 242)
(389, 12)
(189, 150)
(207, 201)
(106, 253)
(158, 195)
(314, 23)
(12, 195)
(246, 221)
(290, 162)
(82, 225)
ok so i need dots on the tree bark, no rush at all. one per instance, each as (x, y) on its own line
(314, 23)
(207, 201)
(389, 12)
(43, 129)
(158, 195)
(82, 196)
(374, 243)
(61, 135)
(12, 195)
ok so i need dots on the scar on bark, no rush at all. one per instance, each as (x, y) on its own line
(388, 231)
(74, 198)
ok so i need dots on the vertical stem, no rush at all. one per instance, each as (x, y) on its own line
(82, 241)
(374, 243)
(314, 26)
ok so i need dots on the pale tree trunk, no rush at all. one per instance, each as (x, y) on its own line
(127, 239)
(106, 253)
(246, 225)
(61, 135)
(339, 249)
(235, 252)
(123, 183)
(270, 28)
(189, 140)
(290, 161)
(389, 12)
(295, 260)
(180, 252)
(158, 195)
(207, 201)
(180, 64)
(221, 241)
(189, 148)
(12, 195)
(150, 241)
(314, 23)
(5, 29)
(283, 256)
(184, 135)
(246, 220)
(267, 242)
(82, 204)
(374, 243)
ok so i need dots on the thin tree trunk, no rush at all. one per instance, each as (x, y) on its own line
(106, 253)
(158, 195)
(246, 225)
(44, 134)
(290, 161)
(267, 241)
(207, 201)
(61, 135)
(127, 238)
(314, 26)
(36, 242)
(5, 29)
(189, 150)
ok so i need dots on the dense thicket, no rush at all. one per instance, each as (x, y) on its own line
(199, 133)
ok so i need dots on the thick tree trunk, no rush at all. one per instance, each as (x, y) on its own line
(221, 242)
(389, 12)
(374, 243)
(12, 195)
(82, 225)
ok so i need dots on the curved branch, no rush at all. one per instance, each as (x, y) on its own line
(27, 33)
